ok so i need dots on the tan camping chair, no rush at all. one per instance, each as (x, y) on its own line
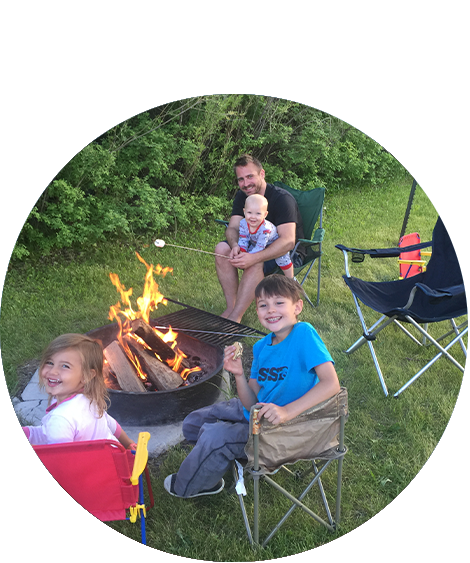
(316, 435)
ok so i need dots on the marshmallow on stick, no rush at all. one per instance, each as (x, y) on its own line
(159, 243)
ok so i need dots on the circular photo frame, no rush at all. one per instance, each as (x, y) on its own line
(141, 207)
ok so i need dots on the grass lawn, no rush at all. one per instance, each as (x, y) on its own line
(389, 440)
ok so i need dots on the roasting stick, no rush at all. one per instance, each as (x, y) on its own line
(159, 243)
(209, 332)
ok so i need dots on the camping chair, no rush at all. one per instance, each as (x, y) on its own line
(315, 435)
(410, 263)
(436, 295)
(102, 476)
(310, 205)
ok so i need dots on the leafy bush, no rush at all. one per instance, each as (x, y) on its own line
(171, 167)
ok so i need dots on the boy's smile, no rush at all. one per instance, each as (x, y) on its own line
(278, 314)
(62, 374)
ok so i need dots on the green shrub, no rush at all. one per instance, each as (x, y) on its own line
(171, 167)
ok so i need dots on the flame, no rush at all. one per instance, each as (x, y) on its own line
(123, 313)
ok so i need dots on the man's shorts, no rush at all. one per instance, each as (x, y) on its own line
(270, 265)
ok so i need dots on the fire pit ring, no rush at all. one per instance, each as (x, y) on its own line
(162, 407)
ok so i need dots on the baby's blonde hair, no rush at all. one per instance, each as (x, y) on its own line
(91, 353)
(257, 200)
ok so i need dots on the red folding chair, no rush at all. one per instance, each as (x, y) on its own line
(410, 262)
(102, 476)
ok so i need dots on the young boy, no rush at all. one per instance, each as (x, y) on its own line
(292, 371)
(256, 233)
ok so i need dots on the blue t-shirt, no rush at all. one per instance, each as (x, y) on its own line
(286, 371)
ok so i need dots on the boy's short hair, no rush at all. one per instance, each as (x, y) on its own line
(277, 284)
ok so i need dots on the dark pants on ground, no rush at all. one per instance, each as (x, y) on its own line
(220, 433)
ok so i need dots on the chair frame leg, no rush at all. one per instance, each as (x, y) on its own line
(297, 502)
(437, 345)
(408, 333)
(242, 506)
(369, 334)
(339, 478)
(431, 362)
(456, 329)
(318, 281)
(143, 531)
(323, 496)
(332, 525)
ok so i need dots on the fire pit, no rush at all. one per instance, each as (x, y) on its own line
(157, 407)
(154, 374)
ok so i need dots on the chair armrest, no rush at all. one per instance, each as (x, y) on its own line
(382, 252)
(141, 457)
(318, 235)
(438, 294)
(416, 262)
(221, 222)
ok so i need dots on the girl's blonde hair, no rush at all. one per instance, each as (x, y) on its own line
(91, 353)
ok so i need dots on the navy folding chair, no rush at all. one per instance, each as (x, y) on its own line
(436, 295)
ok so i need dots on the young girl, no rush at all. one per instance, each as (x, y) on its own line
(71, 372)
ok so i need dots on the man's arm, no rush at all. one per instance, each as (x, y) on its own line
(279, 247)
(232, 230)
(232, 234)
(327, 386)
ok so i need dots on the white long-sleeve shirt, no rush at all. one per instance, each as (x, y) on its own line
(74, 420)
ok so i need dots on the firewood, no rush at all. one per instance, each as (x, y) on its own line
(122, 368)
(161, 375)
(151, 338)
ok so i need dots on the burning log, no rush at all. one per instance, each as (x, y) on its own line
(158, 373)
(151, 338)
(122, 368)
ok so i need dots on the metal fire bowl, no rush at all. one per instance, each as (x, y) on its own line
(162, 407)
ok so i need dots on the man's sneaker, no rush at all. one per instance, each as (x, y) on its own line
(169, 485)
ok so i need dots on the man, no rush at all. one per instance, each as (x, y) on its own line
(282, 212)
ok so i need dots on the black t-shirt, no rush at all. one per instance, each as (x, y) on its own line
(282, 208)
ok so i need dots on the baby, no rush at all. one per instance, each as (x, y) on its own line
(255, 232)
